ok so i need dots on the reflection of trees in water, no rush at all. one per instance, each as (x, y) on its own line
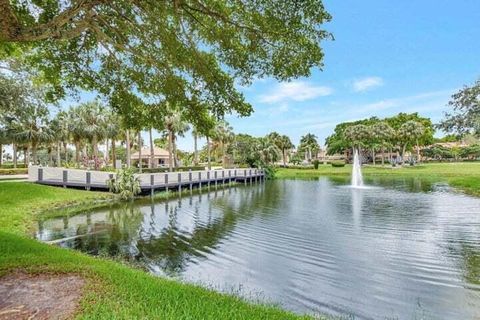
(131, 234)
(469, 261)
(404, 184)
(173, 249)
(112, 237)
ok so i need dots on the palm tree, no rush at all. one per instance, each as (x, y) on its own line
(223, 135)
(267, 150)
(284, 144)
(174, 125)
(383, 133)
(309, 144)
(31, 127)
(93, 117)
(409, 133)
(113, 132)
(195, 134)
(62, 131)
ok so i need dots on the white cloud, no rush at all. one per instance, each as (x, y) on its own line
(367, 83)
(296, 91)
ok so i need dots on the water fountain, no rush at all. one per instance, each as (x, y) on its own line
(357, 179)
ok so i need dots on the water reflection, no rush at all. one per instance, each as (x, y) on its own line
(406, 250)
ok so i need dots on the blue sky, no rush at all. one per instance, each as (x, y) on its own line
(387, 57)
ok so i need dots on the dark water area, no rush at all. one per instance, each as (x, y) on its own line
(407, 249)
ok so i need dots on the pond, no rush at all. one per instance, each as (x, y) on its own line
(407, 249)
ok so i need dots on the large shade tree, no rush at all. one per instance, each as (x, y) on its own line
(465, 115)
(409, 134)
(383, 134)
(179, 49)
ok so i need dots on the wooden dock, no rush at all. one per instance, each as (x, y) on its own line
(149, 182)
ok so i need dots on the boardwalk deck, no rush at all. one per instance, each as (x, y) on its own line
(148, 181)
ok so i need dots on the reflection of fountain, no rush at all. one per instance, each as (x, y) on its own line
(357, 179)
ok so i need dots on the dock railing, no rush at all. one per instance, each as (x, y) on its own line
(98, 179)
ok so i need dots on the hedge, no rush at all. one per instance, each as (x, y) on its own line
(9, 172)
(338, 164)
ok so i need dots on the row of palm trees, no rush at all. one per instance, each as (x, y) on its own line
(88, 125)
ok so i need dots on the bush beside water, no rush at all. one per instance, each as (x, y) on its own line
(338, 164)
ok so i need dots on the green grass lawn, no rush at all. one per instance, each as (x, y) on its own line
(114, 291)
(462, 175)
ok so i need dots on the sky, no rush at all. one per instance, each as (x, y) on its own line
(387, 57)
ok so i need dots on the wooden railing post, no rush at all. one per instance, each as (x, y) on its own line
(200, 180)
(179, 182)
(152, 184)
(166, 181)
(65, 178)
(88, 180)
(190, 178)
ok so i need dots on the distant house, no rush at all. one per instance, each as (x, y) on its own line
(160, 157)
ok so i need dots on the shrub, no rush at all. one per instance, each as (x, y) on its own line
(125, 184)
(315, 164)
(10, 166)
(9, 172)
(338, 164)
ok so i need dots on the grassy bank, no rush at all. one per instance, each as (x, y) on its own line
(114, 291)
(462, 175)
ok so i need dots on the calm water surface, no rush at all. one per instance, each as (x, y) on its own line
(404, 250)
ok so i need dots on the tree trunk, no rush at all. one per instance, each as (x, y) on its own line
(50, 156)
(15, 155)
(140, 164)
(77, 152)
(373, 156)
(114, 155)
(383, 156)
(195, 148)
(403, 153)
(59, 149)
(107, 153)
(418, 152)
(174, 145)
(224, 156)
(152, 150)
(95, 147)
(209, 154)
(26, 156)
(1, 154)
(284, 156)
(66, 151)
(127, 143)
(170, 150)
(34, 153)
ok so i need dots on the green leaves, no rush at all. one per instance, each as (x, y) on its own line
(126, 184)
(400, 129)
(466, 111)
(186, 52)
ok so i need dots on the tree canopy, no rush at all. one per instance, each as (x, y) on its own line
(466, 111)
(347, 134)
(183, 51)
